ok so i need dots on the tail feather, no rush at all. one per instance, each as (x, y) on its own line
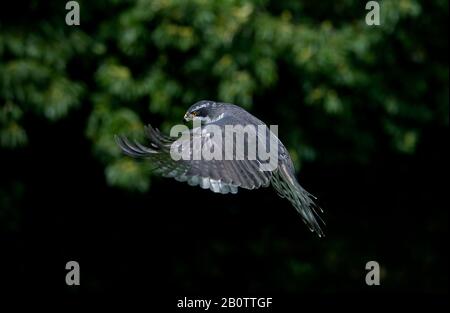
(287, 187)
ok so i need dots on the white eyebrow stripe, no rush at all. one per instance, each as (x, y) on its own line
(201, 106)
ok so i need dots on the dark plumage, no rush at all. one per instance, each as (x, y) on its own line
(225, 176)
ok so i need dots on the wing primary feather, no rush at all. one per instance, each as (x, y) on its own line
(128, 148)
(144, 148)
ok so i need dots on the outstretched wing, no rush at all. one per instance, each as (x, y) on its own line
(222, 176)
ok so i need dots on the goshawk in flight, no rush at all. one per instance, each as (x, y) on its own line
(224, 175)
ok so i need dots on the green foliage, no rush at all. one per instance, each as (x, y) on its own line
(34, 79)
(158, 57)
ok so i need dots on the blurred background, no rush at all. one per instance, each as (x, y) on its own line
(363, 110)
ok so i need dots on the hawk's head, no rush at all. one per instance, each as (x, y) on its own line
(206, 111)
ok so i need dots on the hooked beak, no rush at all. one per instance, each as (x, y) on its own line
(188, 117)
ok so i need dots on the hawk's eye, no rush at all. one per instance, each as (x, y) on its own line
(194, 113)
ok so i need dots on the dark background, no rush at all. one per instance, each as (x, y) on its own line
(363, 111)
